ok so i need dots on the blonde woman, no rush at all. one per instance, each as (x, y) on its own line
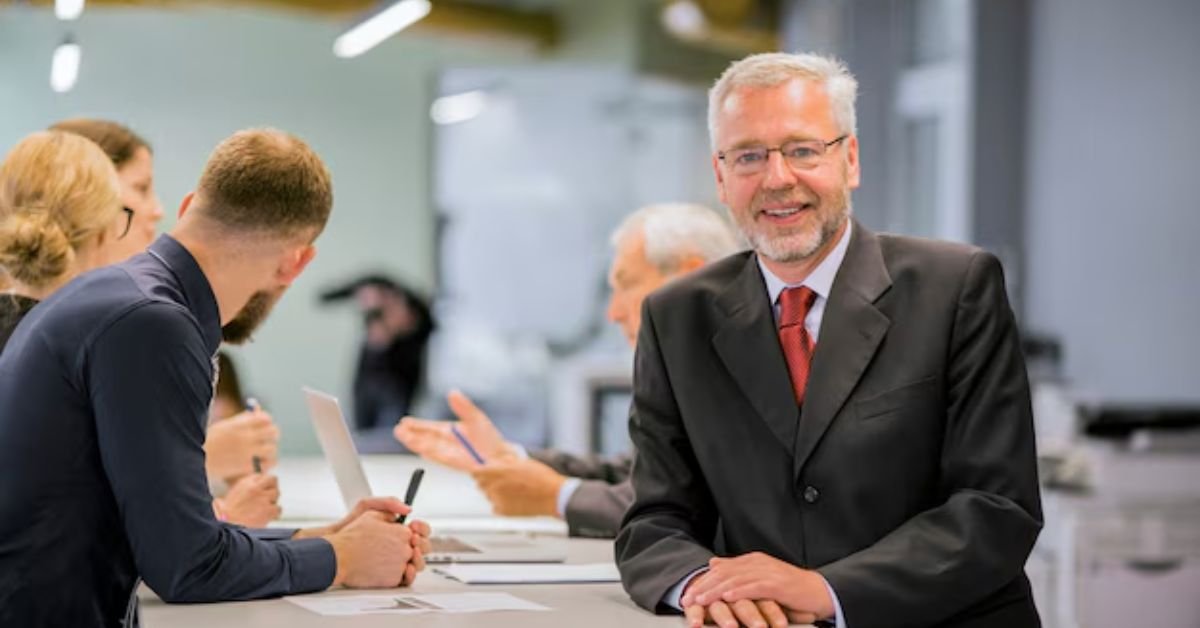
(60, 215)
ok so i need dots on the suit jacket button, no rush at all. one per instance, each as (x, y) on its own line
(811, 494)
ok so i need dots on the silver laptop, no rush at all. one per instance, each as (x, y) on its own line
(461, 548)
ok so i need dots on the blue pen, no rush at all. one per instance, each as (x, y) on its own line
(466, 444)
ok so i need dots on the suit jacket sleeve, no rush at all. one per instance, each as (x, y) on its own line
(150, 417)
(608, 469)
(667, 532)
(975, 538)
(596, 507)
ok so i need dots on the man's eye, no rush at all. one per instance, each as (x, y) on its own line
(749, 157)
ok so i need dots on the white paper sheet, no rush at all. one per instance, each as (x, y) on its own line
(530, 574)
(343, 605)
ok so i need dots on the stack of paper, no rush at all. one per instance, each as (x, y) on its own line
(342, 605)
(530, 574)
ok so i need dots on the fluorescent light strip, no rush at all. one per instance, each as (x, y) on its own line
(64, 69)
(379, 27)
(459, 107)
(68, 9)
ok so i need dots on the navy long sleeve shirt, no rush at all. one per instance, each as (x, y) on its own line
(104, 395)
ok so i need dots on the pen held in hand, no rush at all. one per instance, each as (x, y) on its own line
(466, 444)
(410, 495)
(252, 406)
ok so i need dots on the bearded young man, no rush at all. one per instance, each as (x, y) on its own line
(104, 396)
(837, 424)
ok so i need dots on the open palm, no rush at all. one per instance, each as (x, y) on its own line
(435, 441)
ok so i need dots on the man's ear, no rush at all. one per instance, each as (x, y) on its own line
(187, 202)
(689, 263)
(294, 262)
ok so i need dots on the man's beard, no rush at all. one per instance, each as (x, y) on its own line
(795, 244)
(247, 320)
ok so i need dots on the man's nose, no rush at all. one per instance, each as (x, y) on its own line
(779, 175)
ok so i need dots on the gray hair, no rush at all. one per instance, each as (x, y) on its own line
(673, 231)
(776, 68)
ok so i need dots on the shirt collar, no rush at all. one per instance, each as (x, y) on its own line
(820, 280)
(197, 291)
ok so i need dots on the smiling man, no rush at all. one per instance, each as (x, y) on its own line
(835, 425)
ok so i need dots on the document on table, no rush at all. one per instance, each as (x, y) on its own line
(530, 574)
(342, 605)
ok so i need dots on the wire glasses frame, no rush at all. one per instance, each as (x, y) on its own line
(128, 222)
(799, 154)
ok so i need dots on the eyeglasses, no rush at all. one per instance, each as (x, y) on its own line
(799, 155)
(128, 222)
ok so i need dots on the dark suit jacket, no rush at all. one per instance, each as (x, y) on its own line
(907, 480)
(596, 507)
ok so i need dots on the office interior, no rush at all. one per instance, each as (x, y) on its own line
(484, 154)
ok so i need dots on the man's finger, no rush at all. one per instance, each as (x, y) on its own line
(465, 409)
(695, 615)
(746, 612)
(800, 617)
(722, 615)
(410, 576)
(772, 612)
(420, 528)
(710, 589)
(390, 505)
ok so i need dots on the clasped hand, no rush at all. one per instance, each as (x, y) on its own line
(755, 590)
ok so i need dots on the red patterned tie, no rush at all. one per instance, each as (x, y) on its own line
(794, 304)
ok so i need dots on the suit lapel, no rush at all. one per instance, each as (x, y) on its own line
(851, 331)
(748, 344)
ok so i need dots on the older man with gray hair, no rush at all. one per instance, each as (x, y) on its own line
(652, 246)
(835, 425)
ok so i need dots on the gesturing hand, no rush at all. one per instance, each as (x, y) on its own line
(433, 440)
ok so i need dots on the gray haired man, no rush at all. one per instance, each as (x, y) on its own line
(652, 246)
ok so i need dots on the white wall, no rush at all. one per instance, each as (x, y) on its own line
(1113, 216)
(187, 79)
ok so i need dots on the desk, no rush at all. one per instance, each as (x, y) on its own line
(579, 605)
(450, 501)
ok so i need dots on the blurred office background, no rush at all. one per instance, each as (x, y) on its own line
(484, 154)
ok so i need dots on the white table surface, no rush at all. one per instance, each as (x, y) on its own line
(450, 501)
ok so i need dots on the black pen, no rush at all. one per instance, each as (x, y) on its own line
(255, 461)
(414, 483)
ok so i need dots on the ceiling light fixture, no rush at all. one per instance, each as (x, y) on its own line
(684, 18)
(68, 9)
(373, 30)
(64, 68)
(459, 107)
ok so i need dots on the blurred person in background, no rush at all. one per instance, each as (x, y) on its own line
(652, 246)
(134, 161)
(60, 215)
(397, 324)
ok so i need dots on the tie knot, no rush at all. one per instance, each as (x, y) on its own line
(794, 304)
